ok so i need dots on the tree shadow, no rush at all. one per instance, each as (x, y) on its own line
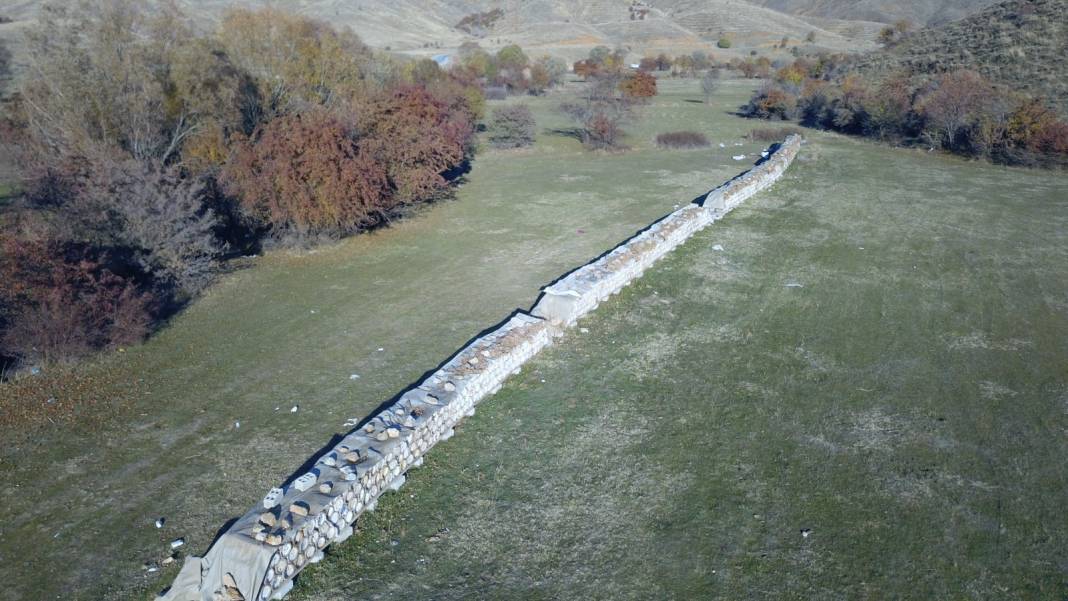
(574, 133)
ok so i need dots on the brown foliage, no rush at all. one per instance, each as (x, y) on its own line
(306, 172)
(638, 86)
(65, 303)
(417, 138)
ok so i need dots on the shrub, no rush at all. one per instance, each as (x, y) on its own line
(724, 42)
(682, 139)
(512, 127)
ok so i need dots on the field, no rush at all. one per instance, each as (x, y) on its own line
(863, 396)
(152, 432)
(876, 358)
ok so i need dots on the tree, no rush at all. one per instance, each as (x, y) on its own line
(953, 104)
(512, 127)
(418, 138)
(771, 102)
(599, 113)
(295, 60)
(163, 218)
(638, 86)
(811, 37)
(710, 83)
(701, 60)
(648, 63)
(309, 173)
(555, 68)
(663, 62)
(723, 42)
(512, 57)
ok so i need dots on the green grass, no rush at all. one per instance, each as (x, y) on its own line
(907, 406)
(154, 431)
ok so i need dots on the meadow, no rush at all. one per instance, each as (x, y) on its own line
(197, 423)
(863, 395)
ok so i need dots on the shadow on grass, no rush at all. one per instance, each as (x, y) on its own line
(574, 133)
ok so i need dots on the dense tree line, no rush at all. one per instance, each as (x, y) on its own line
(147, 152)
(959, 111)
(510, 70)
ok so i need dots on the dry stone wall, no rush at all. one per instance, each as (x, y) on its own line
(260, 554)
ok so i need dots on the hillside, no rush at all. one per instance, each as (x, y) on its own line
(921, 12)
(564, 27)
(1021, 43)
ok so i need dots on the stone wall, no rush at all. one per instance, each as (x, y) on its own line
(260, 554)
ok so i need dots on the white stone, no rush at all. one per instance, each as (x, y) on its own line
(273, 497)
(306, 481)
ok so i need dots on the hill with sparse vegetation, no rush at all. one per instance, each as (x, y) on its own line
(921, 12)
(1021, 44)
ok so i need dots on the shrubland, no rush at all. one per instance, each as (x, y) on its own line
(148, 152)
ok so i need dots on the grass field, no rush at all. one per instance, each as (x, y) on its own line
(152, 431)
(904, 401)
(863, 396)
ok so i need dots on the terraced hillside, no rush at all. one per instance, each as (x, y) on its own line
(922, 12)
(1020, 43)
(566, 27)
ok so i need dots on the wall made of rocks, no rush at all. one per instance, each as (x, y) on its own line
(260, 554)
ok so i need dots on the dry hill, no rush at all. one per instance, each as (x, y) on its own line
(920, 12)
(1020, 43)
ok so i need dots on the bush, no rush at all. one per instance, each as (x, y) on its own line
(723, 42)
(682, 139)
(512, 127)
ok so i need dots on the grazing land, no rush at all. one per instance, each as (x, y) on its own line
(863, 395)
(874, 359)
(152, 432)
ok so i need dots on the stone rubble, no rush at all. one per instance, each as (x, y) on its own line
(261, 553)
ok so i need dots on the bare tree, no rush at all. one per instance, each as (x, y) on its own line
(710, 83)
(600, 112)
